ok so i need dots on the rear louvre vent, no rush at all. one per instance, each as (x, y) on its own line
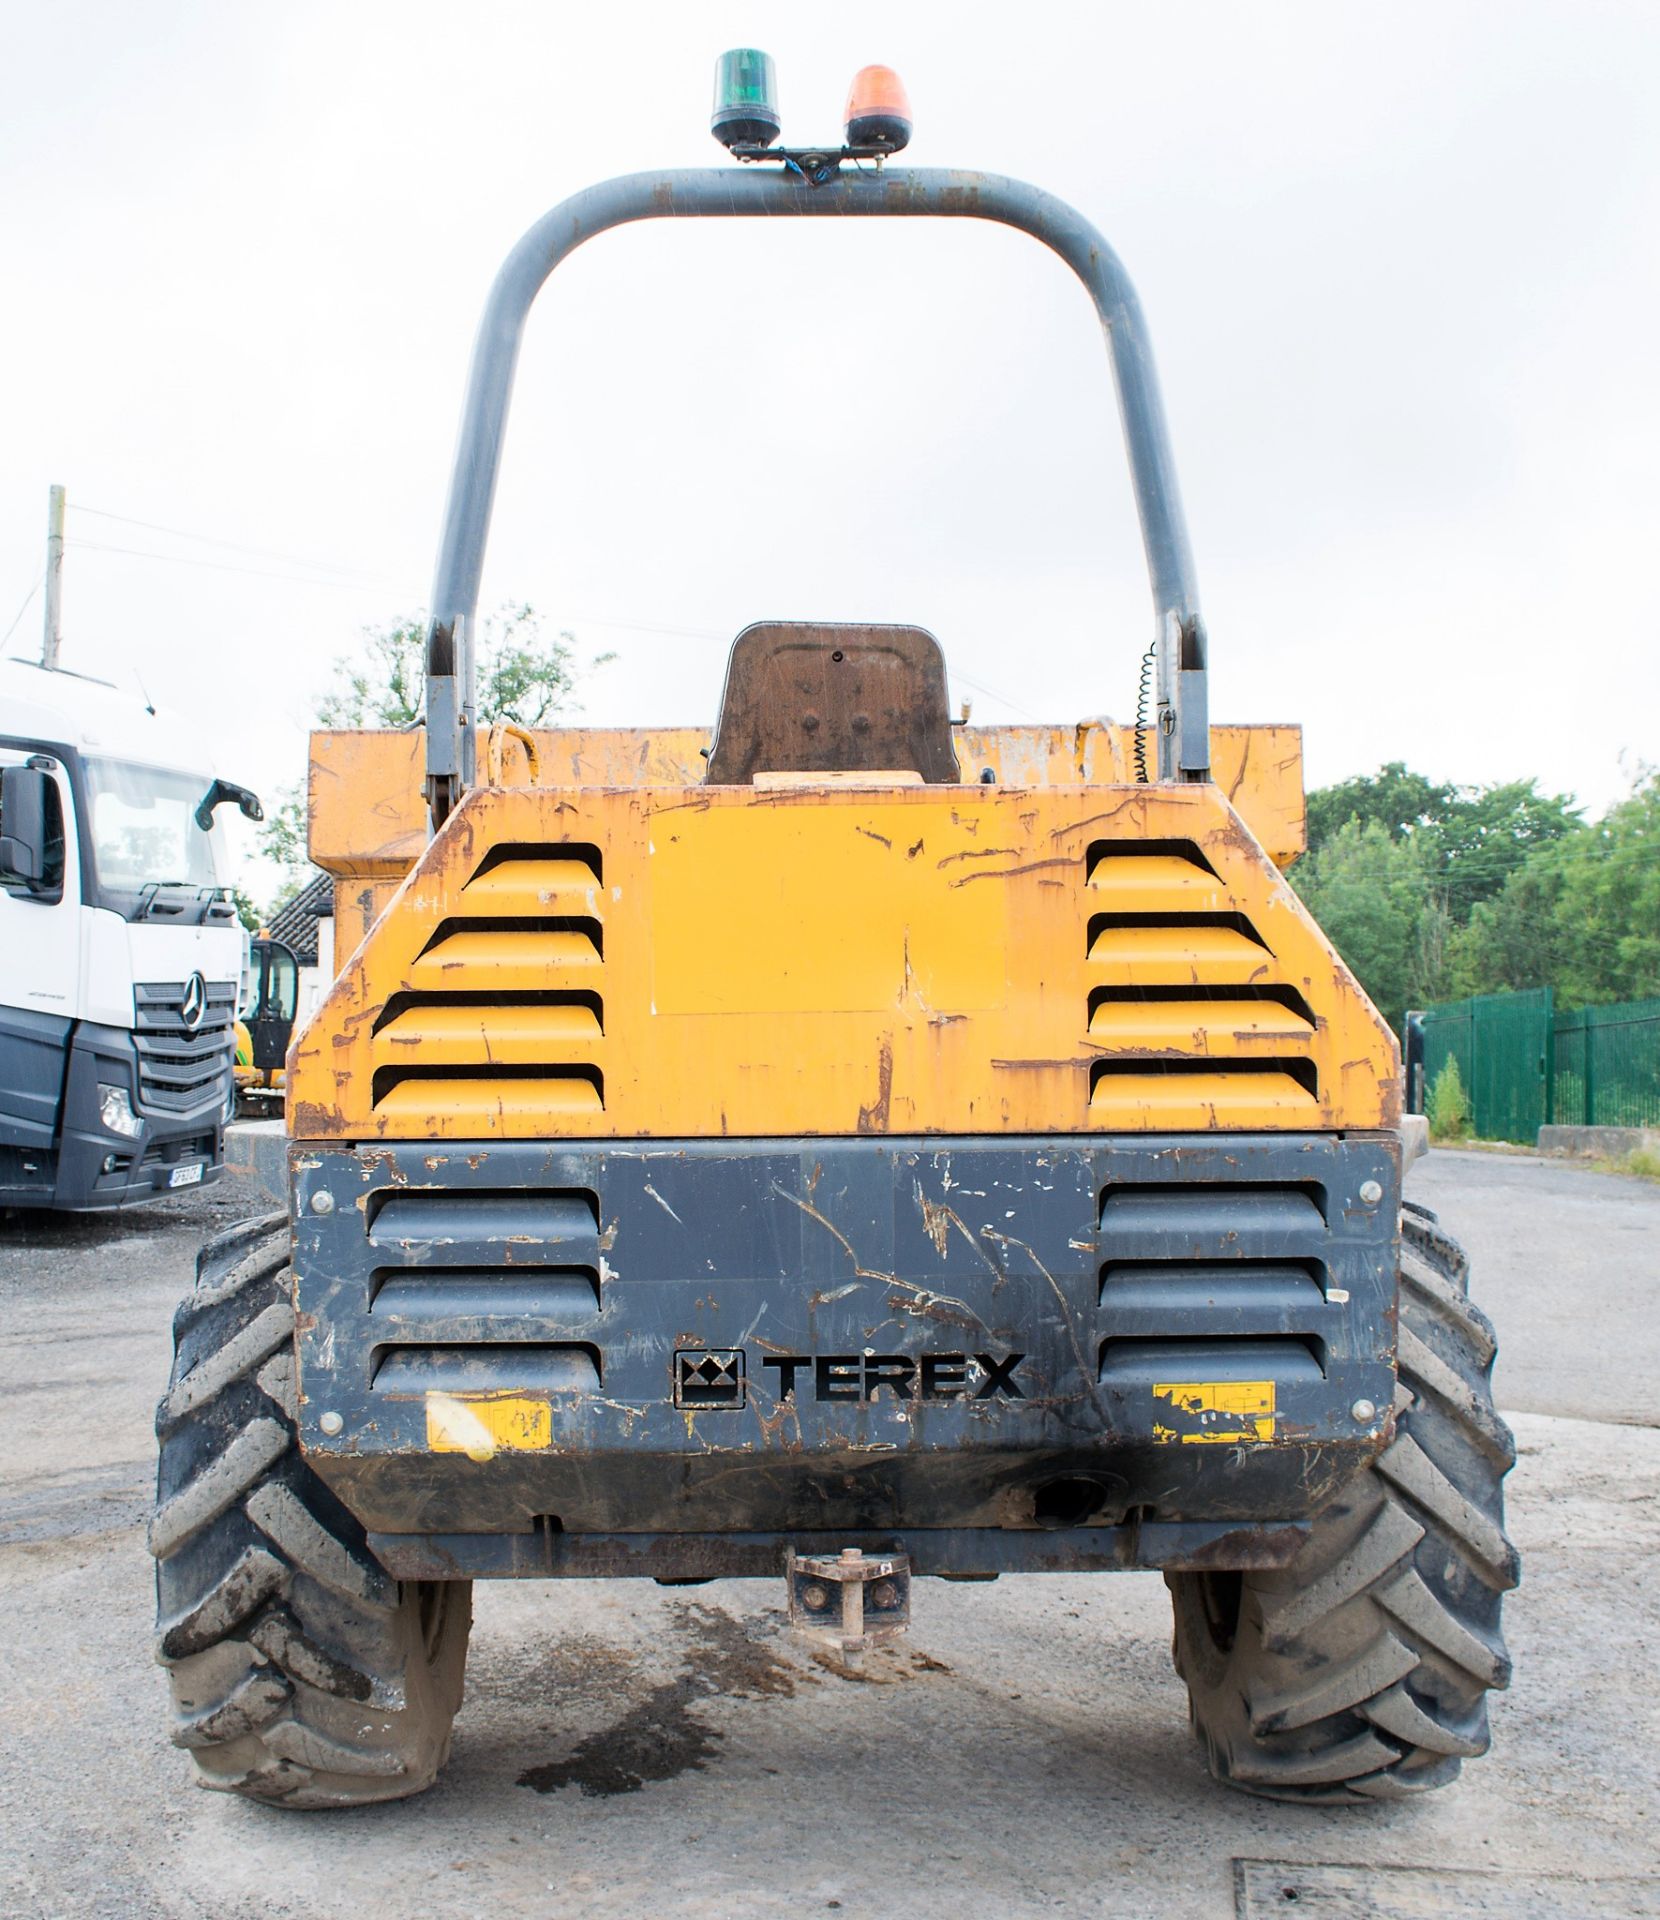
(528, 1090)
(1214, 1222)
(1130, 1364)
(1194, 1026)
(1167, 1091)
(505, 1012)
(1249, 1265)
(487, 1369)
(416, 1223)
(1261, 1295)
(485, 1292)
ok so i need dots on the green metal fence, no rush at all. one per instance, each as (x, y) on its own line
(1524, 1065)
(1502, 1044)
(1608, 1066)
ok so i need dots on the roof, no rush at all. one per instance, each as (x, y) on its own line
(73, 710)
(295, 922)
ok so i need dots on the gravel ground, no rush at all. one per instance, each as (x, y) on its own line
(1568, 1264)
(626, 1747)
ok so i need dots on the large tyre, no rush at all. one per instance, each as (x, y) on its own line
(302, 1674)
(1361, 1671)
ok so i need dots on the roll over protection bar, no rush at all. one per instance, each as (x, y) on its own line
(1183, 731)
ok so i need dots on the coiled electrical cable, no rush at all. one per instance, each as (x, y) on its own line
(1143, 697)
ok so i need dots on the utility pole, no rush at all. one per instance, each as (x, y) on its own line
(54, 578)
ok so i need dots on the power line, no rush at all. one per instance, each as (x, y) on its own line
(360, 585)
(569, 618)
(709, 633)
(991, 693)
(359, 582)
(27, 598)
(230, 546)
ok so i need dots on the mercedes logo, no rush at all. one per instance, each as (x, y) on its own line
(194, 1004)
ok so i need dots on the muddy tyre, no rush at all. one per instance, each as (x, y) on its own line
(302, 1673)
(1361, 1672)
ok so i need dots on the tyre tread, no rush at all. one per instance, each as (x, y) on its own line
(1361, 1673)
(301, 1673)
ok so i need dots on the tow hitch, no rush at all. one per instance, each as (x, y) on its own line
(851, 1600)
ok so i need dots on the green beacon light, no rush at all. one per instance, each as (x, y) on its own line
(746, 99)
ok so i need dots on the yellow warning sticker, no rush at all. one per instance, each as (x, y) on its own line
(1213, 1410)
(483, 1427)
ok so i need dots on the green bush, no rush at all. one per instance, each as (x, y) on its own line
(1449, 1104)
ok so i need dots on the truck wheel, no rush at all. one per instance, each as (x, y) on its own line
(1361, 1671)
(302, 1673)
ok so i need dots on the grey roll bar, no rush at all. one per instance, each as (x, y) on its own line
(1183, 732)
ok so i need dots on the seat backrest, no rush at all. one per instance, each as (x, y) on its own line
(807, 698)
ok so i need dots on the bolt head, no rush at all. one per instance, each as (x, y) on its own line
(1371, 1192)
(815, 1597)
(331, 1423)
(1364, 1411)
(322, 1201)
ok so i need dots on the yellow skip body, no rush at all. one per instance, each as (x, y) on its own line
(678, 960)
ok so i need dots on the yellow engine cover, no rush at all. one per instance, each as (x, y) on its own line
(673, 961)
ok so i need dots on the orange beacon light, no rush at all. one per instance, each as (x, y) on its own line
(878, 111)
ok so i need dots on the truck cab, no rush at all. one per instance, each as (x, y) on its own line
(120, 949)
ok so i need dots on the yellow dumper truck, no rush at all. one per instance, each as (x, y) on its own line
(838, 1146)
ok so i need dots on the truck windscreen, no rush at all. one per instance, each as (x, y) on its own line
(144, 833)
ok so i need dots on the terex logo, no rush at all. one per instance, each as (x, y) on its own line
(928, 1376)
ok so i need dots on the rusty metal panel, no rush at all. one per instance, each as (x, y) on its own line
(731, 1336)
(368, 818)
(950, 1553)
(976, 959)
(807, 698)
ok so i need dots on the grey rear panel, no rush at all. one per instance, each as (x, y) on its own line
(793, 1337)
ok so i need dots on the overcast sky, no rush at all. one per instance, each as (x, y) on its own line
(1401, 265)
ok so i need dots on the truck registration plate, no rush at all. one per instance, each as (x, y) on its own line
(186, 1176)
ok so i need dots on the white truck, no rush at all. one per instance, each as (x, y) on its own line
(120, 949)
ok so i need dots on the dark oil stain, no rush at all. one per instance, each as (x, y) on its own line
(661, 1735)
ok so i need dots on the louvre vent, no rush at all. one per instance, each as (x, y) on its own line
(1249, 1264)
(529, 1368)
(504, 1013)
(1131, 1364)
(1192, 1023)
(477, 1291)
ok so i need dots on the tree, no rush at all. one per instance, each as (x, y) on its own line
(1514, 940)
(1369, 892)
(283, 838)
(1608, 913)
(1488, 833)
(1477, 925)
(246, 911)
(522, 676)
(1580, 914)
(1471, 838)
(1432, 970)
(1393, 798)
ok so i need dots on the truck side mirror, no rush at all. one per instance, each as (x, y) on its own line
(28, 802)
(216, 796)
